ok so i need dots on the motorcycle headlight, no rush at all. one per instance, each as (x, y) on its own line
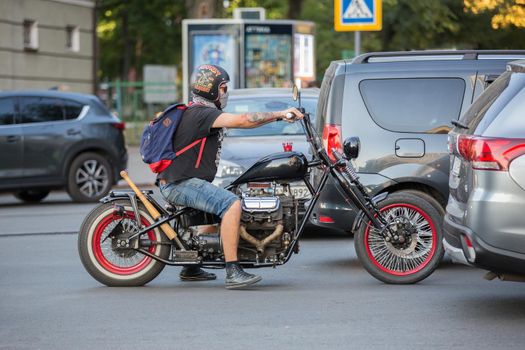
(228, 169)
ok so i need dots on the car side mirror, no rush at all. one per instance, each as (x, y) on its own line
(351, 147)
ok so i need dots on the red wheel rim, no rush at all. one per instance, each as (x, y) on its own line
(427, 256)
(108, 265)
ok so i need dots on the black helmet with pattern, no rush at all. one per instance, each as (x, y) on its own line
(207, 80)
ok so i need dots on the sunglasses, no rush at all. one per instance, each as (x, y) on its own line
(224, 87)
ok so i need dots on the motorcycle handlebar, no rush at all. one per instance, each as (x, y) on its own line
(318, 149)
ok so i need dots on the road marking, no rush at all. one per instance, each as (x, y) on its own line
(37, 234)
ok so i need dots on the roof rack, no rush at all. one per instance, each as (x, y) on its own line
(517, 66)
(433, 55)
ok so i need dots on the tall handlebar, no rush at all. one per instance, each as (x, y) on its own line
(318, 150)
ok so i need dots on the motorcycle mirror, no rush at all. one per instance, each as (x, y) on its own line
(351, 147)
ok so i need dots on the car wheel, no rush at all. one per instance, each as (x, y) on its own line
(90, 177)
(31, 196)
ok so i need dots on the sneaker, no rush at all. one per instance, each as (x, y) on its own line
(195, 273)
(237, 278)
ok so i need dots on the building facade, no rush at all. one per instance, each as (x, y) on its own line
(47, 44)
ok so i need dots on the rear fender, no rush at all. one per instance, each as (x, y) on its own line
(361, 215)
(131, 196)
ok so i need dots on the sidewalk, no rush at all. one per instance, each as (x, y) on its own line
(138, 171)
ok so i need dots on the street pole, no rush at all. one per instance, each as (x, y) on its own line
(357, 43)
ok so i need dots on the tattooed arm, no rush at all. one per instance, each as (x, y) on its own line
(253, 120)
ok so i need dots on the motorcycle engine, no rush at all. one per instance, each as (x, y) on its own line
(268, 222)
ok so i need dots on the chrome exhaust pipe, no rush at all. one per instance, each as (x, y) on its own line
(261, 244)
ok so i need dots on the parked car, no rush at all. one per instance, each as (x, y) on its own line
(241, 148)
(51, 140)
(484, 223)
(400, 105)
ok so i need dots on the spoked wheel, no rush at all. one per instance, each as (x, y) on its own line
(415, 249)
(101, 249)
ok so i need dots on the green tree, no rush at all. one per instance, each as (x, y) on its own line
(132, 33)
(505, 13)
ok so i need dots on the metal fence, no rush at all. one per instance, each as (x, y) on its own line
(136, 102)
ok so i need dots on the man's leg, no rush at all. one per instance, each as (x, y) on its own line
(202, 195)
(230, 224)
(230, 231)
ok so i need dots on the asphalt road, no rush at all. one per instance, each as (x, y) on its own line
(322, 299)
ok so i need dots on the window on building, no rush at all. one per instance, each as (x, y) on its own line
(72, 38)
(30, 34)
(41, 109)
(414, 105)
(7, 111)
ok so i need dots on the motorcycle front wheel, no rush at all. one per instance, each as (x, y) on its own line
(114, 266)
(421, 249)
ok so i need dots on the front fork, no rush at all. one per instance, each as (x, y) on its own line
(354, 189)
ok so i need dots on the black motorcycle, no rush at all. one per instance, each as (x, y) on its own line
(129, 238)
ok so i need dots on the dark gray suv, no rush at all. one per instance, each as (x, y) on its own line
(400, 105)
(51, 140)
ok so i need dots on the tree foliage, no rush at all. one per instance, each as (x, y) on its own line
(505, 13)
(133, 33)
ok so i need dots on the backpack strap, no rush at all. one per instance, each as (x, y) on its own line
(194, 143)
(198, 163)
(202, 141)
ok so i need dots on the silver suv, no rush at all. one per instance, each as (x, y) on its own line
(485, 222)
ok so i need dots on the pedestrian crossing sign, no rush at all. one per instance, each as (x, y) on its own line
(357, 15)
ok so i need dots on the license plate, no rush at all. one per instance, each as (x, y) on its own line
(300, 192)
(456, 165)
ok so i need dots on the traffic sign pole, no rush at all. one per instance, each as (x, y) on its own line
(357, 42)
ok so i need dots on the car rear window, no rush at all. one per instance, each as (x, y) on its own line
(414, 105)
(322, 104)
(7, 111)
(489, 104)
(72, 109)
(269, 104)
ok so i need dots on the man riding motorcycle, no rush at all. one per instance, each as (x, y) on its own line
(187, 181)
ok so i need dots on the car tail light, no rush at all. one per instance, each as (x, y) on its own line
(332, 139)
(326, 219)
(119, 125)
(486, 153)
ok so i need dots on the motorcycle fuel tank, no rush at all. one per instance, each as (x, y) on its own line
(276, 166)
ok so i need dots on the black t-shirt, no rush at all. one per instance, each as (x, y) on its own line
(195, 124)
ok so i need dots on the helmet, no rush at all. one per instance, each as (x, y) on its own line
(207, 80)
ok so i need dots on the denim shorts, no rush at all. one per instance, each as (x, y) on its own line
(199, 194)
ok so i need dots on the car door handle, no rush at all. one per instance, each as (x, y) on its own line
(13, 138)
(73, 131)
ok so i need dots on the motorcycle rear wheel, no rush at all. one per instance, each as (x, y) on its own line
(396, 263)
(113, 267)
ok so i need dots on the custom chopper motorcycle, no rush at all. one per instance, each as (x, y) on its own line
(129, 238)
